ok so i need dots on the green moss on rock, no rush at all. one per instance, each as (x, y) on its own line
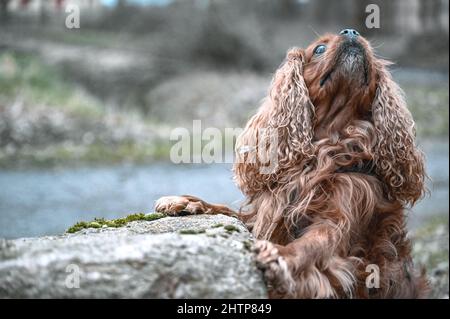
(192, 231)
(247, 245)
(231, 228)
(119, 222)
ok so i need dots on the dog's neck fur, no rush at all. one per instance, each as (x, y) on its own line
(337, 112)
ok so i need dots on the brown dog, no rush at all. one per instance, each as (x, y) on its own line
(347, 168)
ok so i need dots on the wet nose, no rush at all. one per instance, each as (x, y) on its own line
(349, 33)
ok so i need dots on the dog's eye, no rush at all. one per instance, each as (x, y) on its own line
(320, 49)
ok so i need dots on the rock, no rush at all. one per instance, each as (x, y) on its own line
(174, 257)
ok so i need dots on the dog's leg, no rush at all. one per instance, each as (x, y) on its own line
(308, 267)
(189, 205)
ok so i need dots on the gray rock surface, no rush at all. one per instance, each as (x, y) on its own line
(173, 257)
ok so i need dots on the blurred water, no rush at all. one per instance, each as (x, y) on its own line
(40, 202)
(43, 202)
(437, 201)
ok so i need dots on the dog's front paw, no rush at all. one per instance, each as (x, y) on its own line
(274, 267)
(178, 206)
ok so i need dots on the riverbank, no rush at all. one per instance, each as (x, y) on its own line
(48, 118)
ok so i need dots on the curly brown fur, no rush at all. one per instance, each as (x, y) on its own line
(347, 167)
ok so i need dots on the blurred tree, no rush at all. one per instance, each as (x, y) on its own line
(4, 13)
(223, 41)
(429, 12)
(336, 14)
(24, 3)
(43, 15)
(288, 8)
(59, 4)
(121, 4)
(275, 9)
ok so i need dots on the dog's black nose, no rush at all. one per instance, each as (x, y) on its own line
(349, 33)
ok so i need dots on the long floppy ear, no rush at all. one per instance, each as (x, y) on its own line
(282, 129)
(397, 159)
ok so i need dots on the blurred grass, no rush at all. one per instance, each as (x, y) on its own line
(429, 106)
(88, 37)
(92, 155)
(440, 220)
(431, 250)
(27, 78)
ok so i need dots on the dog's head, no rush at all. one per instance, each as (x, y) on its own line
(320, 91)
(343, 67)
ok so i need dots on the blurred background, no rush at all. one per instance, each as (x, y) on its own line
(86, 114)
